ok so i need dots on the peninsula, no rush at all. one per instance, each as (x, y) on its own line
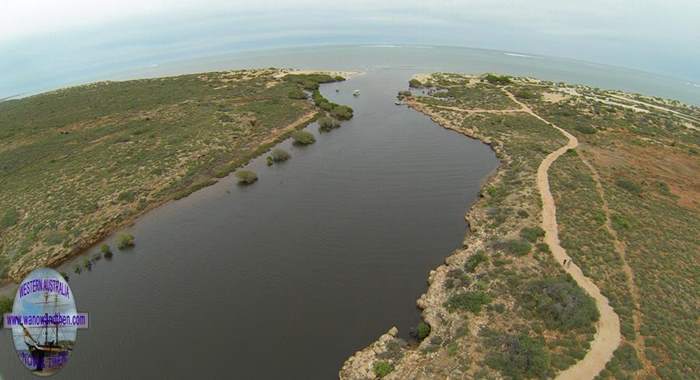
(582, 252)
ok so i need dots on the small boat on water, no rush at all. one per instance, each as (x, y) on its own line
(356, 93)
(398, 103)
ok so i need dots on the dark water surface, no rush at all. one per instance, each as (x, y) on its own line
(288, 277)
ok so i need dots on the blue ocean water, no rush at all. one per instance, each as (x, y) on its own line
(167, 46)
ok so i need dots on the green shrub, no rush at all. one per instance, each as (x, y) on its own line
(517, 247)
(311, 81)
(626, 357)
(246, 177)
(560, 303)
(663, 188)
(382, 368)
(498, 79)
(520, 357)
(9, 218)
(342, 112)
(106, 250)
(531, 234)
(423, 330)
(586, 129)
(125, 241)
(474, 261)
(415, 83)
(309, 85)
(629, 185)
(619, 222)
(296, 93)
(525, 94)
(312, 78)
(279, 155)
(470, 301)
(404, 94)
(326, 123)
(126, 196)
(303, 138)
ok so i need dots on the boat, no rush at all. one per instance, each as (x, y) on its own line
(356, 93)
(398, 103)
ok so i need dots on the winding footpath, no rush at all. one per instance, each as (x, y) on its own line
(607, 337)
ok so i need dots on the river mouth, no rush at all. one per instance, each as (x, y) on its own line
(290, 276)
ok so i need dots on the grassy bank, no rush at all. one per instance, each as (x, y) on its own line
(79, 162)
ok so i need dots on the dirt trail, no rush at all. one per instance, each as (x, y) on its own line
(621, 250)
(607, 337)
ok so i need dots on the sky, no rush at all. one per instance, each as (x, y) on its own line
(659, 36)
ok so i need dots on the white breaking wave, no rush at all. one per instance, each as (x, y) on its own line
(519, 55)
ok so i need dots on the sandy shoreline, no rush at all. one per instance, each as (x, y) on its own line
(344, 74)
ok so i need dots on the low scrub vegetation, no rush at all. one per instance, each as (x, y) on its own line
(279, 155)
(518, 356)
(246, 177)
(125, 241)
(516, 247)
(423, 330)
(382, 368)
(469, 301)
(325, 124)
(9, 218)
(474, 261)
(106, 251)
(342, 112)
(498, 79)
(337, 111)
(560, 304)
(297, 93)
(629, 185)
(303, 138)
(532, 234)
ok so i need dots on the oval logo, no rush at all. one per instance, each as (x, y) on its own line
(44, 321)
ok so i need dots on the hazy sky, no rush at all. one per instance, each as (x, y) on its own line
(661, 36)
